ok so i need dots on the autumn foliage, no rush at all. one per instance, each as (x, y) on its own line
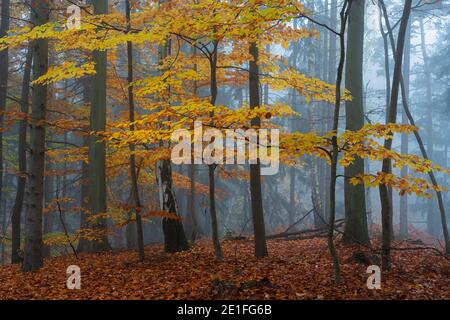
(296, 269)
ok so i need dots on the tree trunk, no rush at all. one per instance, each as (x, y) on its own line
(192, 214)
(386, 203)
(405, 139)
(97, 149)
(356, 230)
(335, 152)
(133, 173)
(49, 216)
(432, 218)
(33, 255)
(84, 244)
(22, 160)
(255, 169)
(292, 206)
(174, 236)
(4, 63)
(212, 168)
(420, 141)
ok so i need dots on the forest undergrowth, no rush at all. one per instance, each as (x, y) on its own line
(295, 269)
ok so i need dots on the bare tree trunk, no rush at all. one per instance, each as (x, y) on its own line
(405, 139)
(356, 230)
(386, 203)
(192, 176)
(332, 67)
(212, 168)
(33, 257)
(255, 169)
(97, 149)
(49, 217)
(22, 155)
(419, 140)
(335, 153)
(84, 244)
(133, 173)
(4, 63)
(432, 218)
(174, 236)
(292, 207)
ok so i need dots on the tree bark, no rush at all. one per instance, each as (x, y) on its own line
(84, 244)
(405, 139)
(33, 255)
(133, 173)
(211, 168)
(432, 218)
(356, 230)
(4, 63)
(97, 148)
(420, 141)
(174, 236)
(335, 152)
(255, 169)
(22, 160)
(386, 203)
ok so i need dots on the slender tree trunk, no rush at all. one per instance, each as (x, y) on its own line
(419, 140)
(84, 244)
(33, 255)
(133, 173)
(22, 155)
(356, 230)
(49, 216)
(97, 149)
(292, 207)
(174, 236)
(255, 169)
(332, 67)
(386, 203)
(335, 152)
(432, 218)
(387, 73)
(212, 168)
(4, 63)
(192, 176)
(405, 139)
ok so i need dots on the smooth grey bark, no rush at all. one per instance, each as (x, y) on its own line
(22, 161)
(255, 169)
(33, 254)
(97, 148)
(355, 230)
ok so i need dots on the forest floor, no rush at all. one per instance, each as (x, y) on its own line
(295, 269)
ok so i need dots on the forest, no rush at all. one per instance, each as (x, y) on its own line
(224, 150)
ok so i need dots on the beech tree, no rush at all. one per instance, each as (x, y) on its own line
(33, 252)
(356, 230)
